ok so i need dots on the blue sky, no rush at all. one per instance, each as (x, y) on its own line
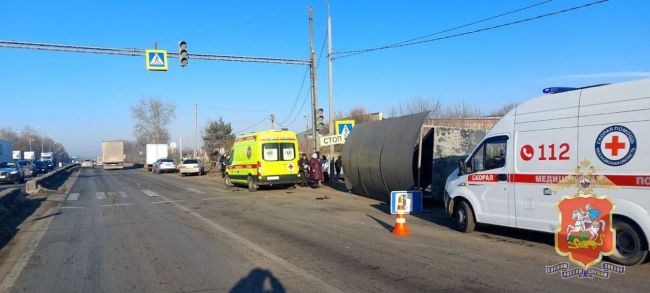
(81, 99)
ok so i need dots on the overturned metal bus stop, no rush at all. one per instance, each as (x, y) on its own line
(384, 156)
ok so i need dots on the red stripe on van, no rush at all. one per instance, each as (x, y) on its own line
(245, 138)
(242, 166)
(619, 180)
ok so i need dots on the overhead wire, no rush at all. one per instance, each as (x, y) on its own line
(356, 52)
(244, 23)
(453, 28)
(252, 126)
(320, 55)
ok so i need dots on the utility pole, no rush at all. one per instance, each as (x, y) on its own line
(180, 149)
(273, 121)
(314, 94)
(196, 128)
(330, 81)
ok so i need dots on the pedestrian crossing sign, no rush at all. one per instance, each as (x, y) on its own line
(343, 127)
(156, 60)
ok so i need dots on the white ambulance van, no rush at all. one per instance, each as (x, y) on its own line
(507, 179)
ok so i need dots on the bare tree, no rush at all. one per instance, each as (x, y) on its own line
(503, 110)
(151, 118)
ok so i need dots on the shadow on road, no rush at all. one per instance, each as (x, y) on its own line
(382, 223)
(9, 223)
(258, 280)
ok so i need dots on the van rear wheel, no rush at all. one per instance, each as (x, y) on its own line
(463, 217)
(629, 244)
(252, 185)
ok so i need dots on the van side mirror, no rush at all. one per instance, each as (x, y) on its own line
(462, 168)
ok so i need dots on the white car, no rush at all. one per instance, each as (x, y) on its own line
(163, 165)
(87, 164)
(191, 166)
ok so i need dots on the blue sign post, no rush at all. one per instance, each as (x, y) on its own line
(412, 201)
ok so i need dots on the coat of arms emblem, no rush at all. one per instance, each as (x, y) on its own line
(585, 232)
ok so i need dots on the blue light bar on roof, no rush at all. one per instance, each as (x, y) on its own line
(556, 90)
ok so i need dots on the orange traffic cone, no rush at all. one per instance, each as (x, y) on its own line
(400, 223)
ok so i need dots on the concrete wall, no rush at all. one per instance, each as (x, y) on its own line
(50, 181)
(450, 144)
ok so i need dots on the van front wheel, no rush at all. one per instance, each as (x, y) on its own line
(226, 181)
(463, 217)
(629, 245)
(252, 185)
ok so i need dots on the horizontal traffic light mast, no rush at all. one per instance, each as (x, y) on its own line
(140, 52)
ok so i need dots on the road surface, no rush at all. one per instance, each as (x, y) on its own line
(133, 231)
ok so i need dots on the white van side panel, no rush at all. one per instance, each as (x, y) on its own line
(623, 107)
(545, 144)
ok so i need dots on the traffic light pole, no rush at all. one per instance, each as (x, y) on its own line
(314, 92)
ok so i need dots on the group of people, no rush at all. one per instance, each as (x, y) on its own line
(316, 170)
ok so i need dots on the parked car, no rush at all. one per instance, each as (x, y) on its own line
(163, 165)
(87, 164)
(40, 168)
(191, 166)
(27, 167)
(11, 172)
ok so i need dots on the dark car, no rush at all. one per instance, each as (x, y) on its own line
(11, 172)
(40, 168)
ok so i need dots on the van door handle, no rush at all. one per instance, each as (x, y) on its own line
(502, 177)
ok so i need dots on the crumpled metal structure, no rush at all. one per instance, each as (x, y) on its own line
(379, 156)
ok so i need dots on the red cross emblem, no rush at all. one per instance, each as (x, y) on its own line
(290, 166)
(614, 146)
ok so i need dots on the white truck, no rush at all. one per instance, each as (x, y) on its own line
(113, 154)
(48, 158)
(507, 180)
(6, 151)
(17, 155)
(31, 156)
(155, 152)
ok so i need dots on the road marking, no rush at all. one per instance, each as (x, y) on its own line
(73, 196)
(72, 207)
(100, 195)
(190, 189)
(311, 279)
(117, 205)
(219, 189)
(149, 193)
(165, 201)
(123, 194)
(13, 275)
(222, 197)
(111, 194)
(18, 267)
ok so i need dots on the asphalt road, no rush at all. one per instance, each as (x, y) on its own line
(132, 231)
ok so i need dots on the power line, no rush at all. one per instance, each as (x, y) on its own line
(450, 29)
(254, 125)
(295, 102)
(231, 110)
(253, 21)
(140, 52)
(473, 31)
(320, 55)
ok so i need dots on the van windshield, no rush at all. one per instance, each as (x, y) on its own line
(278, 151)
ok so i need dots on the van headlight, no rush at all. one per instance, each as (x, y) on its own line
(13, 172)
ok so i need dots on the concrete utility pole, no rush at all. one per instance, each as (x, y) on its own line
(196, 128)
(314, 94)
(273, 121)
(330, 81)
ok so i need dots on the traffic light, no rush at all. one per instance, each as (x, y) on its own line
(183, 56)
(319, 119)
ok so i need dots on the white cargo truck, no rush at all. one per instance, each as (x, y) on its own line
(508, 179)
(6, 151)
(17, 155)
(113, 154)
(31, 156)
(155, 152)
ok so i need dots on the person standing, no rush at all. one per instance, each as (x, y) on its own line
(316, 170)
(303, 168)
(338, 164)
(325, 164)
